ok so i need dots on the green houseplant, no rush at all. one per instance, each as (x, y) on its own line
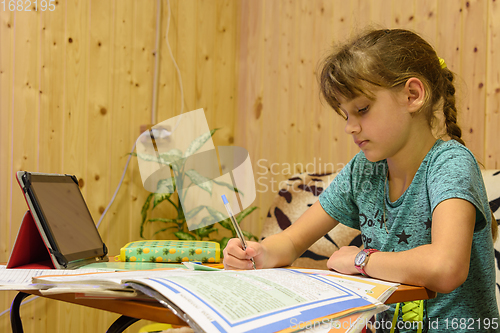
(166, 188)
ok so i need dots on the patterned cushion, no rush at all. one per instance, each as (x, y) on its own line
(299, 193)
(492, 183)
(302, 190)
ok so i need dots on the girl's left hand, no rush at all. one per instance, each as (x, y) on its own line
(342, 260)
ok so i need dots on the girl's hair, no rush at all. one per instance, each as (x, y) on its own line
(387, 59)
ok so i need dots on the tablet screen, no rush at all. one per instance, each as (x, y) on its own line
(67, 217)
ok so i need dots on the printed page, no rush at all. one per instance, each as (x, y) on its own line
(254, 301)
(379, 289)
(104, 279)
(20, 279)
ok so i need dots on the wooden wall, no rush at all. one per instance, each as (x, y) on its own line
(76, 83)
(281, 43)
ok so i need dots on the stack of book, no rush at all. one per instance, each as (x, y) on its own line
(267, 300)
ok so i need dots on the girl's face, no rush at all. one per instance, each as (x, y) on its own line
(380, 127)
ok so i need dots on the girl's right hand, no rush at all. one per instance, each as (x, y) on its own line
(237, 258)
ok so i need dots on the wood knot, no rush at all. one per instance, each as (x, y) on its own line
(81, 183)
(258, 107)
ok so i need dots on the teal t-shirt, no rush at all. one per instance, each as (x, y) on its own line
(449, 170)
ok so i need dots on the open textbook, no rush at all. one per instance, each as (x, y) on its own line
(267, 300)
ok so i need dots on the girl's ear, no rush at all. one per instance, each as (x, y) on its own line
(415, 92)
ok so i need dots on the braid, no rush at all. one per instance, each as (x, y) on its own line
(449, 108)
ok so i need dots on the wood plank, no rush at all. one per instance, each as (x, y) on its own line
(185, 54)
(448, 46)
(492, 123)
(305, 79)
(52, 91)
(250, 103)
(6, 118)
(205, 35)
(168, 79)
(473, 72)
(224, 77)
(426, 20)
(143, 68)
(272, 141)
(343, 148)
(403, 14)
(75, 109)
(6, 129)
(323, 114)
(381, 13)
(98, 106)
(116, 224)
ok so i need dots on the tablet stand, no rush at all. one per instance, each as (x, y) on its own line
(29, 251)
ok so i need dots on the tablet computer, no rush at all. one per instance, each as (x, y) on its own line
(62, 218)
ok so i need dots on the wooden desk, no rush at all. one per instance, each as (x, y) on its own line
(133, 310)
(156, 312)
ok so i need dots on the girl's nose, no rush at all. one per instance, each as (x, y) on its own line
(352, 126)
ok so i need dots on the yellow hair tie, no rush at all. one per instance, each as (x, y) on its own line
(442, 63)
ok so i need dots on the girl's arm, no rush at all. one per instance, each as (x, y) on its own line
(283, 248)
(441, 266)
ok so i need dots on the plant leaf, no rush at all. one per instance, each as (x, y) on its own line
(149, 158)
(244, 213)
(164, 229)
(216, 214)
(166, 185)
(205, 231)
(159, 197)
(144, 213)
(226, 224)
(163, 220)
(174, 152)
(172, 157)
(192, 213)
(249, 235)
(229, 186)
(198, 143)
(199, 180)
(184, 235)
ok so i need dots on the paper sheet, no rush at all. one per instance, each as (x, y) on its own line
(20, 279)
(256, 301)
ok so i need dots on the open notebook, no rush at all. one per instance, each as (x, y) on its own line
(57, 231)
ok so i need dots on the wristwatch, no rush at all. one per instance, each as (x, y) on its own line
(362, 259)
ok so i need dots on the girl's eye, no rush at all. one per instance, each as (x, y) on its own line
(363, 110)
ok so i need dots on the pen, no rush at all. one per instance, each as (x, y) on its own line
(236, 226)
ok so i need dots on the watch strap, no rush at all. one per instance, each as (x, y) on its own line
(361, 267)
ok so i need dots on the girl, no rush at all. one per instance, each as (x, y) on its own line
(433, 225)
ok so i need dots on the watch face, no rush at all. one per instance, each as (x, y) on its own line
(360, 258)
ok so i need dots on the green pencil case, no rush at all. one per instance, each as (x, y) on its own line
(170, 251)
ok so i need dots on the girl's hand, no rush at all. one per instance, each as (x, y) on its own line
(342, 260)
(236, 258)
